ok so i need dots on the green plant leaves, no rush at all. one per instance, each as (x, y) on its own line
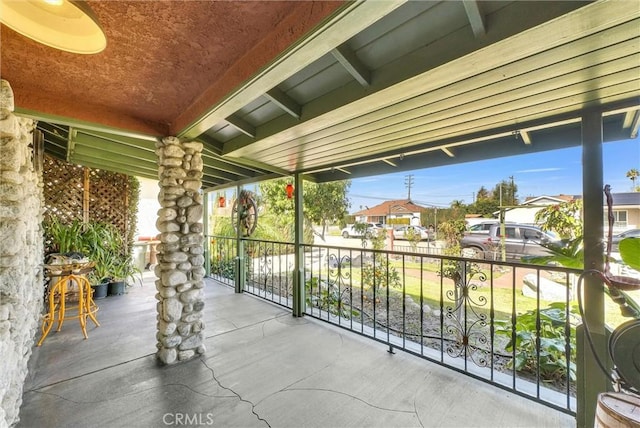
(630, 252)
(552, 350)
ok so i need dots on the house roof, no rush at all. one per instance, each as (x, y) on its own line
(331, 90)
(532, 200)
(629, 199)
(397, 207)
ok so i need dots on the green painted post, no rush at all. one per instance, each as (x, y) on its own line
(207, 234)
(298, 274)
(241, 267)
(591, 380)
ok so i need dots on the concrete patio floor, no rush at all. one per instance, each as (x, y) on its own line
(262, 368)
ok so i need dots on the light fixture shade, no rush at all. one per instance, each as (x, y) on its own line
(67, 25)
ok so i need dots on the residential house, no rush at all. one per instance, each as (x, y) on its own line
(389, 212)
(626, 209)
(526, 212)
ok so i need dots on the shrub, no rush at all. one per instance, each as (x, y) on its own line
(551, 336)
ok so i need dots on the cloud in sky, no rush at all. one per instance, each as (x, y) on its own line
(523, 171)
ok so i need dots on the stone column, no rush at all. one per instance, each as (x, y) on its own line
(21, 279)
(180, 268)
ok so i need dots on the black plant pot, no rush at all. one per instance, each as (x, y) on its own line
(100, 290)
(116, 288)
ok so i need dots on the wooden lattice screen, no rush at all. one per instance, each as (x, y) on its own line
(75, 192)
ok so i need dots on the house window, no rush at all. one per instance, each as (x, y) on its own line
(620, 219)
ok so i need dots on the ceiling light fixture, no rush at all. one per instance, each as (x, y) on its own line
(68, 25)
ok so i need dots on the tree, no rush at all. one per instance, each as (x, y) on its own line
(323, 203)
(485, 207)
(633, 174)
(564, 218)
(505, 192)
(483, 193)
(452, 231)
(326, 203)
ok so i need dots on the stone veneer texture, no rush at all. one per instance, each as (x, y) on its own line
(21, 279)
(180, 269)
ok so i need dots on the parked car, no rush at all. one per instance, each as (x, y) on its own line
(519, 240)
(482, 227)
(425, 235)
(615, 239)
(356, 231)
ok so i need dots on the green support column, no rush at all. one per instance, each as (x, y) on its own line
(241, 267)
(591, 380)
(298, 274)
(207, 237)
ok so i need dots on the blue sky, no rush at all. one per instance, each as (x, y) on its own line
(546, 173)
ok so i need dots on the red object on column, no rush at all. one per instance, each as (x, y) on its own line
(289, 190)
(221, 202)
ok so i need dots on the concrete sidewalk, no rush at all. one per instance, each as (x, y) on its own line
(262, 368)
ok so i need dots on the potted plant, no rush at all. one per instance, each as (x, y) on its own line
(98, 245)
(99, 277)
(62, 237)
(122, 270)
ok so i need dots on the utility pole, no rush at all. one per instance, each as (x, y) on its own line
(408, 182)
(513, 192)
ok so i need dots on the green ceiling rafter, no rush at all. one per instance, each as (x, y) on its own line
(91, 144)
(465, 65)
(284, 102)
(143, 144)
(122, 168)
(229, 168)
(213, 149)
(250, 180)
(80, 124)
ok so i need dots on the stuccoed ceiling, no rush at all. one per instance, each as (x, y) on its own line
(329, 89)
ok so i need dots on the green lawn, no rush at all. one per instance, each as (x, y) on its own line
(482, 299)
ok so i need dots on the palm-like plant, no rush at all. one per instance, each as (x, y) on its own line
(633, 174)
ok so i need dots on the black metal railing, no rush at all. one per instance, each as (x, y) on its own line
(506, 323)
(270, 270)
(223, 254)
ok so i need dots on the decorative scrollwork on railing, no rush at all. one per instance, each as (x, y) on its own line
(339, 274)
(462, 320)
(263, 255)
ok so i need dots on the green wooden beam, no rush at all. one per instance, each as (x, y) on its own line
(92, 145)
(242, 125)
(591, 380)
(284, 101)
(115, 167)
(298, 271)
(348, 59)
(475, 16)
(79, 124)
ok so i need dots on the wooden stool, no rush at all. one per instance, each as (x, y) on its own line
(57, 302)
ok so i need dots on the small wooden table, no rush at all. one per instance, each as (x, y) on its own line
(65, 276)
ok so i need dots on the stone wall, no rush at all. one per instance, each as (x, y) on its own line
(21, 280)
(180, 269)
